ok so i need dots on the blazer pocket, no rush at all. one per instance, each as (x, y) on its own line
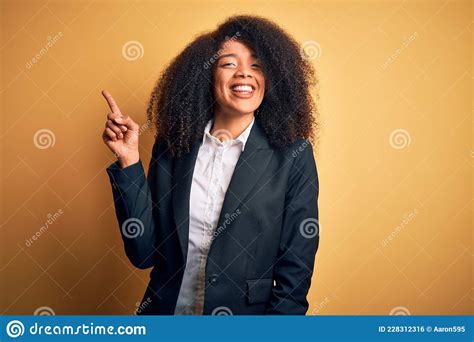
(259, 290)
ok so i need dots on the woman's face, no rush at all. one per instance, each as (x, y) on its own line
(239, 83)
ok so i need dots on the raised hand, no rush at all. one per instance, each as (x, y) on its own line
(121, 134)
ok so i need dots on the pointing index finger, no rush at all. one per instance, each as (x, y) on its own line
(110, 100)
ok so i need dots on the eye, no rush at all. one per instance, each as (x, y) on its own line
(228, 64)
(256, 65)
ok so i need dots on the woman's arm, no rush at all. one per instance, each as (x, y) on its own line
(131, 190)
(134, 209)
(299, 238)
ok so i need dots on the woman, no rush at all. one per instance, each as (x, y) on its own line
(227, 216)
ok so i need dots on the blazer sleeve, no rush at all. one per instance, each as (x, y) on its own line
(134, 209)
(299, 238)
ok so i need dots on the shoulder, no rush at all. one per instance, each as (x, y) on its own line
(299, 152)
(302, 149)
(303, 164)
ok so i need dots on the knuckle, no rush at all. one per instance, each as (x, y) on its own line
(112, 126)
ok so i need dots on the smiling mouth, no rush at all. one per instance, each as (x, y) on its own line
(243, 90)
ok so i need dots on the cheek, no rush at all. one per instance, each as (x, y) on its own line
(219, 90)
(220, 85)
(262, 87)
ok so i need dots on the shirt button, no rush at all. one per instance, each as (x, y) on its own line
(213, 279)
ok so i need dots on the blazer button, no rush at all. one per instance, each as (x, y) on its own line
(213, 279)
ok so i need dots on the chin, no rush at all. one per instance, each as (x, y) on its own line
(244, 109)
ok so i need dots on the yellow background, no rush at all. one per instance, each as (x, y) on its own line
(383, 67)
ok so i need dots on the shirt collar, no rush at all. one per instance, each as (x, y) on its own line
(242, 138)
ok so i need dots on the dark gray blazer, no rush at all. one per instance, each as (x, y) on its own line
(262, 255)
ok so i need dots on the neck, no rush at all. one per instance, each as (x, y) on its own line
(235, 124)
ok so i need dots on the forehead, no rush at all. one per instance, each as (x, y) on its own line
(236, 48)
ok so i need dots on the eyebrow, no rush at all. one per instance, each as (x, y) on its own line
(235, 55)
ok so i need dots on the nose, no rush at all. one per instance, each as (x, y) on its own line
(243, 71)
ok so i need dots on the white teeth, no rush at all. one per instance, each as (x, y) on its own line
(244, 88)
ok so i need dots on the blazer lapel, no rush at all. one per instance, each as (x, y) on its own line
(181, 191)
(249, 168)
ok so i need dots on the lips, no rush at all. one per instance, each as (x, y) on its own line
(243, 90)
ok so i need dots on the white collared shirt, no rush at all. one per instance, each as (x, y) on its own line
(213, 171)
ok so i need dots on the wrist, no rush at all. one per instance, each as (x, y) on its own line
(127, 161)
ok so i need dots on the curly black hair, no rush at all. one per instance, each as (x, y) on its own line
(182, 101)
